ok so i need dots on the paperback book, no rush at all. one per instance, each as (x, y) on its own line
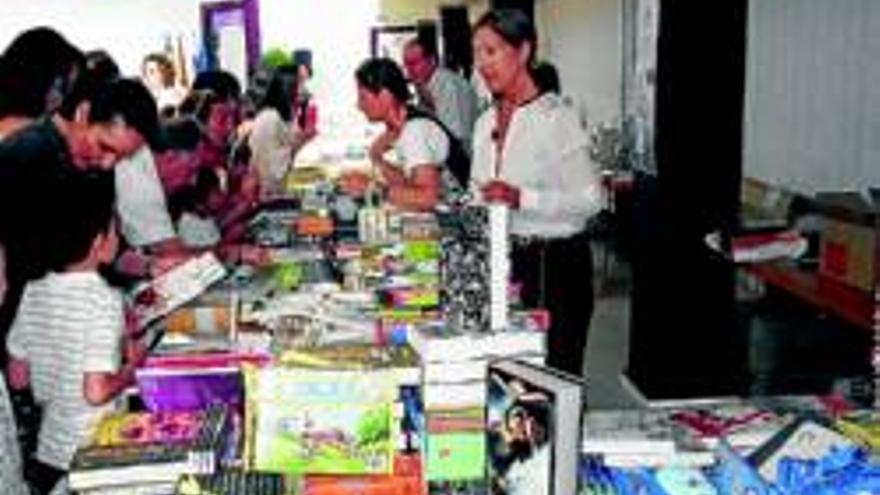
(304, 421)
(147, 447)
(174, 288)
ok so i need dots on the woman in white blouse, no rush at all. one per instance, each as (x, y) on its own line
(416, 153)
(275, 137)
(530, 152)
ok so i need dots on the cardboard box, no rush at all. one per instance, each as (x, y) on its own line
(764, 205)
(848, 243)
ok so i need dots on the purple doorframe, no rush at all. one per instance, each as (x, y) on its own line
(231, 12)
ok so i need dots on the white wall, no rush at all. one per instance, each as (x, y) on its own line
(336, 30)
(812, 115)
(339, 42)
(583, 39)
(127, 29)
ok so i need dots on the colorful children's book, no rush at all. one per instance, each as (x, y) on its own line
(533, 429)
(305, 421)
(401, 359)
(802, 440)
(174, 288)
(149, 447)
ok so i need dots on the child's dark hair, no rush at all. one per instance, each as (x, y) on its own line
(88, 208)
(377, 74)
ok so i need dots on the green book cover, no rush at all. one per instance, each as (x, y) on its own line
(455, 456)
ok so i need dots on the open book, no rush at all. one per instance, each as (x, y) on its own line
(156, 298)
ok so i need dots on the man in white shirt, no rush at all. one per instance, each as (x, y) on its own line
(143, 212)
(447, 94)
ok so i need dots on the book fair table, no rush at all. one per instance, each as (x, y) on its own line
(345, 365)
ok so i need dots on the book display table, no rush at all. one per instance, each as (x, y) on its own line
(339, 373)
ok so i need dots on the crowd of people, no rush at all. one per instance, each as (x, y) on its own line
(105, 179)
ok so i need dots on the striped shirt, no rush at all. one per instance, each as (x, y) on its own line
(68, 324)
(11, 481)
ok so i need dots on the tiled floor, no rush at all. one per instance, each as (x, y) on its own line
(791, 349)
(607, 345)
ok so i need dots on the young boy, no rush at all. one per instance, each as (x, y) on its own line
(66, 339)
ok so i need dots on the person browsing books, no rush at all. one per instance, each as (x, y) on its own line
(530, 152)
(275, 136)
(420, 176)
(67, 337)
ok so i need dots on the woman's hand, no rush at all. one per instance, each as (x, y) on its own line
(497, 191)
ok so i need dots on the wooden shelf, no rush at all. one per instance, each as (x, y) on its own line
(845, 302)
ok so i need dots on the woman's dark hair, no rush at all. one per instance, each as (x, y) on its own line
(37, 71)
(377, 74)
(546, 77)
(221, 82)
(102, 65)
(513, 26)
(281, 91)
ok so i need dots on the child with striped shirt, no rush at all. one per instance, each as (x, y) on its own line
(67, 339)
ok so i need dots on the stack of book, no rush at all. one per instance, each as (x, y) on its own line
(131, 452)
(405, 479)
(634, 437)
(454, 367)
(475, 268)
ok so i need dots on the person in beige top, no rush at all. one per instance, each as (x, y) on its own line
(275, 137)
